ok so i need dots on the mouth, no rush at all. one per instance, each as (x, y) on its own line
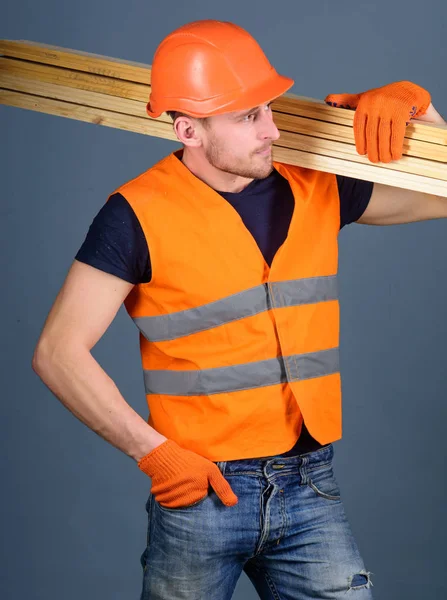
(265, 151)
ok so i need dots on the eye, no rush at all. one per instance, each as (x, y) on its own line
(252, 116)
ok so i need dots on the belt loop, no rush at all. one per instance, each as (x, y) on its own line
(222, 465)
(303, 470)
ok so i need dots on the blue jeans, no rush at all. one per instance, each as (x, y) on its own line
(288, 532)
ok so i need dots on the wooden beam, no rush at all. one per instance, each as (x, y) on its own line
(88, 114)
(407, 164)
(77, 60)
(292, 104)
(345, 134)
(288, 139)
(141, 73)
(76, 96)
(82, 81)
(367, 172)
(164, 130)
(114, 93)
(78, 80)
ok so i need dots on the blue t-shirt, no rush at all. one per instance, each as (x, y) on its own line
(115, 242)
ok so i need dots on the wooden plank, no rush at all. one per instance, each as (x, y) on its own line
(368, 172)
(75, 59)
(82, 97)
(88, 114)
(141, 73)
(288, 140)
(292, 104)
(155, 128)
(316, 109)
(77, 80)
(344, 133)
(407, 164)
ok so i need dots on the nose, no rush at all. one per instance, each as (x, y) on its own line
(268, 129)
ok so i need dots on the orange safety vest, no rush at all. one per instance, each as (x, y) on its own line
(236, 353)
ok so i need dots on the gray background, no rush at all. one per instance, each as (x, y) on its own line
(72, 507)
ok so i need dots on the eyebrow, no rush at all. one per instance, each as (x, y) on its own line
(250, 110)
(246, 112)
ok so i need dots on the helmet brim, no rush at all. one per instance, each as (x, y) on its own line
(240, 99)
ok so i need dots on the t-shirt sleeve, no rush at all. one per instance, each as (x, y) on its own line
(115, 243)
(355, 195)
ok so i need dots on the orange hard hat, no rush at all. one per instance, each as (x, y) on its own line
(211, 67)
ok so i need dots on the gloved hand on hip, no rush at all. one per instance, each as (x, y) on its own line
(381, 117)
(181, 477)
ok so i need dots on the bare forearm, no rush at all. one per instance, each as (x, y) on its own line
(80, 383)
(432, 116)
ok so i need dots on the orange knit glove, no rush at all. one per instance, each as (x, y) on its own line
(381, 117)
(181, 477)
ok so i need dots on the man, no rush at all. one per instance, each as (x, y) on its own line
(228, 268)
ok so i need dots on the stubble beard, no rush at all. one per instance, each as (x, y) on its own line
(256, 166)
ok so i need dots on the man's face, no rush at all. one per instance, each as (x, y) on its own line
(240, 142)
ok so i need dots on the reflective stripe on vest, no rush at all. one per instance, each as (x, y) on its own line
(241, 377)
(238, 306)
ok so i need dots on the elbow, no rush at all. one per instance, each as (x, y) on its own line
(55, 355)
(42, 357)
(49, 355)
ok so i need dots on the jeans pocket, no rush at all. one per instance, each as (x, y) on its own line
(322, 481)
(180, 508)
(149, 505)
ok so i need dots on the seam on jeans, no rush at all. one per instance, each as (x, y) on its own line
(257, 473)
(271, 584)
(310, 468)
(150, 529)
(322, 494)
(313, 453)
(266, 528)
(261, 543)
(282, 504)
(150, 513)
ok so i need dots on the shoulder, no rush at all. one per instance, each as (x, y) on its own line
(304, 174)
(115, 242)
(355, 195)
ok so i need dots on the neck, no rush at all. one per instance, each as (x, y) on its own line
(216, 178)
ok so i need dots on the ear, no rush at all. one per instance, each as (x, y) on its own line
(188, 131)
